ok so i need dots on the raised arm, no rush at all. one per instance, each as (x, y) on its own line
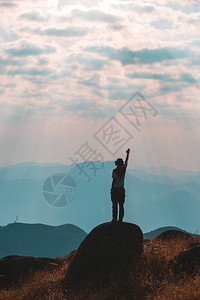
(127, 155)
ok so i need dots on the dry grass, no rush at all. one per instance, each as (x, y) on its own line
(44, 284)
(151, 280)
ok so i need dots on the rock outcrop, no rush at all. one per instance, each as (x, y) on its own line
(15, 268)
(108, 247)
(172, 234)
(186, 262)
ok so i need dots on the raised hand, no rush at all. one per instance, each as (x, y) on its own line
(128, 151)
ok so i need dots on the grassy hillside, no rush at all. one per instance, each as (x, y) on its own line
(152, 279)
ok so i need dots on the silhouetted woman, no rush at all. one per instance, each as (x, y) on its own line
(117, 189)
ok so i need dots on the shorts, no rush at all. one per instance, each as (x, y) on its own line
(118, 194)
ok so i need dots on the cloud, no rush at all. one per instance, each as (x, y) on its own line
(155, 76)
(179, 2)
(139, 8)
(30, 71)
(92, 81)
(184, 77)
(32, 16)
(18, 112)
(195, 42)
(162, 24)
(95, 16)
(86, 107)
(170, 88)
(11, 62)
(88, 62)
(8, 4)
(126, 43)
(186, 6)
(62, 32)
(122, 94)
(116, 27)
(43, 61)
(144, 8)
(188, 78)
(29, 93)
(27, 49)
(10, 85)
(144, 56)
(94, 64)
(87, 3)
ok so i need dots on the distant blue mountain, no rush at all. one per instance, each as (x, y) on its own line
(31, 170)
(152, 201)
(165, 171)
(39, 240)
(166, 175)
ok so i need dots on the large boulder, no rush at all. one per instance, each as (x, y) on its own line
(109, 246)
(186, 262)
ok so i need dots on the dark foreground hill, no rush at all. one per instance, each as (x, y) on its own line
(111, 263)
(39, 240)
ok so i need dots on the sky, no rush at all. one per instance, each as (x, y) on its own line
(72, 72)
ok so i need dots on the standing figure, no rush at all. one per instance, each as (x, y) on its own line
(117, 189)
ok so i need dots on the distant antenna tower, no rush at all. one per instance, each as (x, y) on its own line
(16, 220)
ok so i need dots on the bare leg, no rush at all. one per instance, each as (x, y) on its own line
(121, 211)
(114, 210)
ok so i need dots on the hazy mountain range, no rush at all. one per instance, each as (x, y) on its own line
(153, 233)
(155, 197)
(40, 240)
